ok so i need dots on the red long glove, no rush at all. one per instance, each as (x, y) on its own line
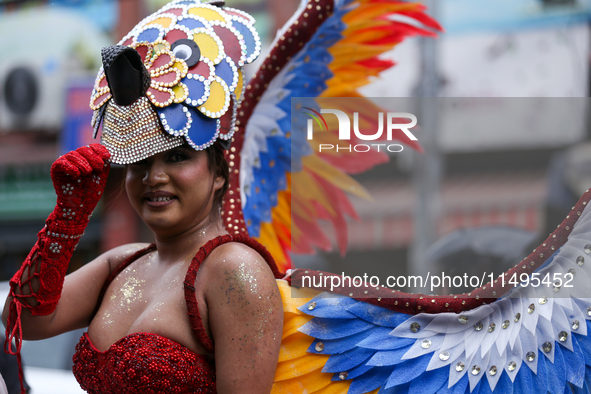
(79, 179)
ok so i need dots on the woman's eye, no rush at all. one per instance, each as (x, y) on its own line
(176, 157)
(140, 163)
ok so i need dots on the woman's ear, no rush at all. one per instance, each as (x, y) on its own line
(218, 182)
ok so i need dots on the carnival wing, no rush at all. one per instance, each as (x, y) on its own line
(533, 339)
(328, 49)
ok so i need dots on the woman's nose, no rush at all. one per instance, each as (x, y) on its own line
(155, 174)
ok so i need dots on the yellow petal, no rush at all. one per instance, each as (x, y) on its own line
(218, 100)
(208, 46)
(206, 13)
(238, 90)
(181, 92)
(162, 21)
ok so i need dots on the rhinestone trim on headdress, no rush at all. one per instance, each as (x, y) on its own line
(133, 132)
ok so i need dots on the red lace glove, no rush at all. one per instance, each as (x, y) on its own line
(79, 179)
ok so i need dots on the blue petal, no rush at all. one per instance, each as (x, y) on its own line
(575, 362)
(203, 129)
(369, 381)
(408, 370)
(482, 387)
(196, 90)
(556, 372)
(333, 328)
(173, 118)
(224, 71)
(337, 346)
(151, 34)
(191, 23)
(249, 38)
(429, 382)
(381, 340)
(348, 360)
(377, 315)
(330, 307)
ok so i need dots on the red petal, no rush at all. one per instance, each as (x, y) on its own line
(174, 11)
(100, 100)
(144, 51)
(164, 60)
(127, 42)
(231, 43)
(160, 97)
(201, 68)
(175, 34)
(103, 81)
(170, 76)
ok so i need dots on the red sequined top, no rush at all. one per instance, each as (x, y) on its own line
(149, 363)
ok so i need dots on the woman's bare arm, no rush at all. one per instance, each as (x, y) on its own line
(78, 299)
(245, 318)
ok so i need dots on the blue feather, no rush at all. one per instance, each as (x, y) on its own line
(377, 315)
(334, 328)
(540, 380)
(504, 385)
(524, 380)
(337, 346)
(575, 362)
(355, 372)
(429, 382)
(379, 339)
(330, 307)
(556, 372)
(347, 360)
(408, 370)
(388, 357)
(585, 344)
(461, 386)
(370, 380)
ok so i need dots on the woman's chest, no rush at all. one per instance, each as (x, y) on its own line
(143, 298)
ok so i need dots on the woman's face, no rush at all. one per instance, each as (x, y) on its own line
(173, 191)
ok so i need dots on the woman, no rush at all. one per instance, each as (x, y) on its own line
(146, 331)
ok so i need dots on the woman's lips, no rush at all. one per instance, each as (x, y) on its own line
(159, 199)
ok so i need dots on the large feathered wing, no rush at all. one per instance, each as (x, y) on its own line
(533, 339)
(328, 49)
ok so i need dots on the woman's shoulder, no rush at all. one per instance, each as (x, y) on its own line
(116, 256)
(237, 259)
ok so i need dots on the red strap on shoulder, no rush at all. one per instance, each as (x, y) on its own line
(204, 251)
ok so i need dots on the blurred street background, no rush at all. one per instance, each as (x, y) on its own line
(513, 184)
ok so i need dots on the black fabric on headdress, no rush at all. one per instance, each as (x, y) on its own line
(126, 74)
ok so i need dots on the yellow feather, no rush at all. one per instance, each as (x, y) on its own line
(335, 176)
(300, 366)
(309, 383)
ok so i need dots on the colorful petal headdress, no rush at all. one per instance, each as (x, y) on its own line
(178, 71)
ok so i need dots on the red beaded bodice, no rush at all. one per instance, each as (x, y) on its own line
(149, 363)
(142, 363)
